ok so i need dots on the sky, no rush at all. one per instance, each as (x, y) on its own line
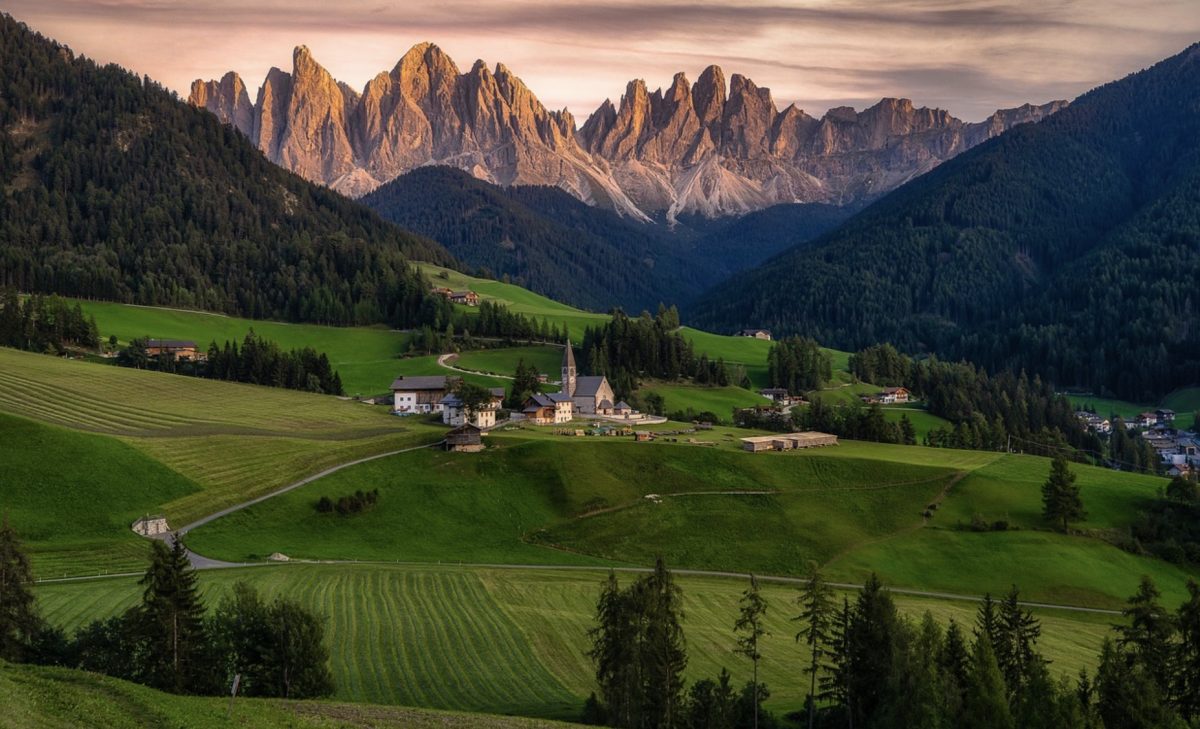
(969, 57)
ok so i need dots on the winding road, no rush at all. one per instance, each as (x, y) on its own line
(201, 562)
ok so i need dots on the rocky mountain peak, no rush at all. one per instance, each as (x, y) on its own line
(706, 147)
(227, 99)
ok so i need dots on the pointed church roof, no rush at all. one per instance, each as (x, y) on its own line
(568, 356)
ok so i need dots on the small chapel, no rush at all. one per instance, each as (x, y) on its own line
(591, 394)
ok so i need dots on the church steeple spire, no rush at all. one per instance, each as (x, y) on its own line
(568, 370)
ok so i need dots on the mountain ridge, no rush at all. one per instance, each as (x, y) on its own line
(1064, 248)
(703, 148)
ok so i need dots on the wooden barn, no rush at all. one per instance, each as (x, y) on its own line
(465, 438)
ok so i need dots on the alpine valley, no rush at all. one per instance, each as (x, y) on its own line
(422, 406)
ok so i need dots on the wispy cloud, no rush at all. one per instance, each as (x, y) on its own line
(968, 56)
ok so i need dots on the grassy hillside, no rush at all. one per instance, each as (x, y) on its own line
(547, 359)
(55, 508)
(1184, 401)
(551, 499)
(228, 441)
(65, 699)
(512, 640)
(718, 400)
(516, 299)
(365, 357)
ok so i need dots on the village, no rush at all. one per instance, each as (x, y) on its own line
(1178, 449)
(586, 399)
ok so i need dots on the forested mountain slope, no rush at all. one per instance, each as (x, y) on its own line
(546, 240)
(542, 238)
(113, 188)
(1070, 247)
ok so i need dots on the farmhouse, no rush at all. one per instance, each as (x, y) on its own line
(1094, 422)
(1166, 416)
(755, 334)
(465, 438)
(180, 349)
(778, 395)
(588, 392)
(788, 441)
(469, 298)
(420, 394)
(454, 412)
(1146, 420)
(550, 409)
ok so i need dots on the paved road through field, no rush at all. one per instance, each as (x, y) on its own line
(201, 562)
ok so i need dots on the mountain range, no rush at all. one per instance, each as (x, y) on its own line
(1069, 248)
(708, 148)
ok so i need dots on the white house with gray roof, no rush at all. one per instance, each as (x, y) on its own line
(418, 394)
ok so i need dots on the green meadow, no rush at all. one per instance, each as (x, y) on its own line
(517, 299)
(34, 696)
(537, 498)
(547, 359)
(515, 640)
(213, 443)
(1184, 402)
(365, 357)
(720, 401)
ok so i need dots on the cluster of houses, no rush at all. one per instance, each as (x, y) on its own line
(1160, 420)
(1178, 449)
(467, 298)
(888, 396)
(589, 396)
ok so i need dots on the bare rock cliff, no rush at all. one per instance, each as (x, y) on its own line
(707, 148)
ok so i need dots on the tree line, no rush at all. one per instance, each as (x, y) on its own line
(169, 640)
(456, 329)
(798, 364)
(258, 361)
(866, 666)
(44, 324)
(626, 349)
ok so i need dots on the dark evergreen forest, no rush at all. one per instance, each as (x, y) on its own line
(115, 189)
(1067, 248)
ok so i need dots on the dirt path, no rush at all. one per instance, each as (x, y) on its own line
(295, 485)
(443, 360)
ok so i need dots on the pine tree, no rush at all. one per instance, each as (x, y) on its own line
(1187, 679)
(986, 702)
(1017, 655)
(1061, 503)
(665, 645)
(171, 622)
(1148, 636)
(817, 614)
(750, 631)
(19, 620)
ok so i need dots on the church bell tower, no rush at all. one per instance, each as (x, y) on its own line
(568, 371)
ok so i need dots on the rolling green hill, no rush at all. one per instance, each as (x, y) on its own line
(224, 442)
(551, 499)
(55, 508)
(514, 640)
(66, 699)
(1065, 248)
